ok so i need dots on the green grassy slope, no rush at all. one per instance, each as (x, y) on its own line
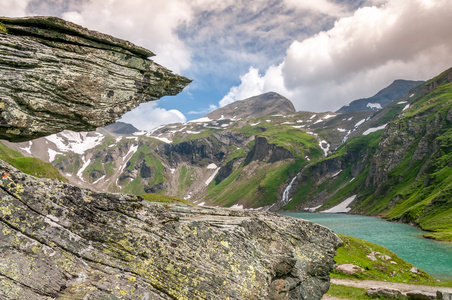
(29, 165)
(403, 172)
(260, 183)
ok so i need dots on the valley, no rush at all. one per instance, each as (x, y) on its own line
(393, 161)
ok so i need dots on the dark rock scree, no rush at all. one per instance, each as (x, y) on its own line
(59, 241)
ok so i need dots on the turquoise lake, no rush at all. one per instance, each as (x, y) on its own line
(406, 241)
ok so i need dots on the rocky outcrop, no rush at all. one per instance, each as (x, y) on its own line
(56, 75)
(263, 151)
(61, 241)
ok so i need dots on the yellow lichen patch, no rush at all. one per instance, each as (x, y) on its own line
(225, 244)
(6, 231)
(132, 279)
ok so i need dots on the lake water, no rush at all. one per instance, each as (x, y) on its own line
(406, 241)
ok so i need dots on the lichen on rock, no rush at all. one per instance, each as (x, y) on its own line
(56, 75)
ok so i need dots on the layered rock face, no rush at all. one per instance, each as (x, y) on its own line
(56, 75)
(59, 241)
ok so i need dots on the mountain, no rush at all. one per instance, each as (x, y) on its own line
(119, 128)
(267, 104)
(399, 168)
(395, 90)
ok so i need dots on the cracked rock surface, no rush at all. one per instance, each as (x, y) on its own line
(58, 241)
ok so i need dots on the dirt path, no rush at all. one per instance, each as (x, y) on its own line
(403, 287)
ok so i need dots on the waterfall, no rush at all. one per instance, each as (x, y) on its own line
(285, 197)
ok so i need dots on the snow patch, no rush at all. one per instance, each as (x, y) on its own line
(412, 95)
(312, 209)
(85, 165)
(374, 105)
(298, 126)
(360, 123)
(373, 129)
(52, 154)
(193, 132)
(325, 148)
(313, 116)
(140, 133)
(328, 116)
(402, 102)
(406, 107)
(200, 120)
(254, 124)
(77, 142)
(341, 129)
(236, 206)
(212, 167)
(341, 207)
(349, 119)
(172, 171)
(335, 174)
(318, 121)
(163, 139)
(128, 156)
(209, 180)
(27, 149)
(200, 204)
(99, 179)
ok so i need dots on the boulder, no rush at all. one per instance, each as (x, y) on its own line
(420, 295)
(57, 75)
(386, 293)
(349, 269)
(59, 240)
(442, 295)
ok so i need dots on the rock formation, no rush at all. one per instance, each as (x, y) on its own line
(59, 241)
(57, 75)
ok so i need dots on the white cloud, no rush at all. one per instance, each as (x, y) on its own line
(149, 116)
(150, 24)
(252, 84)
(13, 8)
(361, 54)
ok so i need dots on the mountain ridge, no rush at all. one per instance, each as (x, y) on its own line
(398, 88)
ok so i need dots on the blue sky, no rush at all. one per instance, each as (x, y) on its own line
(321, 54)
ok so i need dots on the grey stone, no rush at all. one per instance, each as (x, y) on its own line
(385, 293)
(420, 295)
(441, 295)
(56, 75)
(58, 240)
(349, 269)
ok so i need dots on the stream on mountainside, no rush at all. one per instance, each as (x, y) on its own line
(406, 241)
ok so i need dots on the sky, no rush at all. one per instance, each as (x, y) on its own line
(320, 54)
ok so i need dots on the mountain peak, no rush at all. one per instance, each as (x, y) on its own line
(266, 104)
(398, 88)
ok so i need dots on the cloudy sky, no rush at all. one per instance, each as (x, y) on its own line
(321, 54)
